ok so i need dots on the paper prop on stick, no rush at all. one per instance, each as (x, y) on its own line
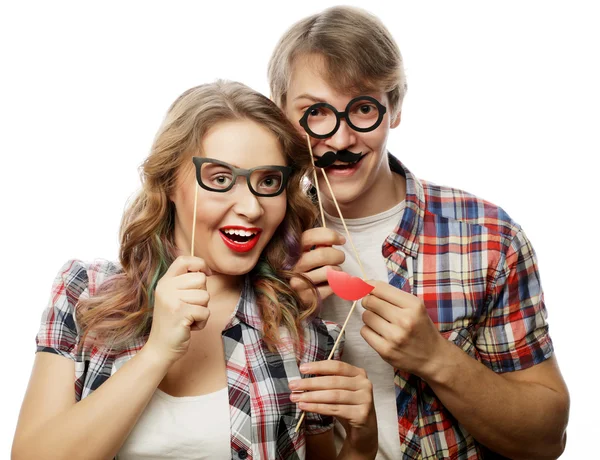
(345, 156)
(346, 286)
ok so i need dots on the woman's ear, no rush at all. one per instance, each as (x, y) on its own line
(395, 120)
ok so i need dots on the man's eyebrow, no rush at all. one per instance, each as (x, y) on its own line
(308, 96)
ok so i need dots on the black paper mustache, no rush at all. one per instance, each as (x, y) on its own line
(330, 157)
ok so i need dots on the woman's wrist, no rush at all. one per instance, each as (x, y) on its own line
(154, 360)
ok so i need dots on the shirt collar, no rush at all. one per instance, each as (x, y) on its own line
(246, 310)
(405, 236)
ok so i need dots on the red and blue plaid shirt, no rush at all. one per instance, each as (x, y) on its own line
(476, 272)
(263, 419)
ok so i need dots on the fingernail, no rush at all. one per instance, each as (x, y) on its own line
(304, 368)
(293, 385)
(294, 397)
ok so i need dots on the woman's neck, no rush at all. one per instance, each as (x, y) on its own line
(218, 285)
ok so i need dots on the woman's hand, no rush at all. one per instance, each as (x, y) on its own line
(180, 305)
(343, 391)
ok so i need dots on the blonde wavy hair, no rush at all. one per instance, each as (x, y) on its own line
(121, 310)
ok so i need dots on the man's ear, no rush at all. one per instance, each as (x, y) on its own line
(396, 120)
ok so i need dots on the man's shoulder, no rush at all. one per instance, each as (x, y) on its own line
(453, 205)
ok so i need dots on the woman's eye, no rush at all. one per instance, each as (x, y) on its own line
(271, 182)
(221, 180)
(313, 112)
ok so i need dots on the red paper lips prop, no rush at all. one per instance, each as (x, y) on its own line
(346, 286)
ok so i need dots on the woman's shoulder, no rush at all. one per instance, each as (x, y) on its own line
(77, 276)
(76, 280)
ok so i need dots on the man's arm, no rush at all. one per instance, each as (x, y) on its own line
(520, 414)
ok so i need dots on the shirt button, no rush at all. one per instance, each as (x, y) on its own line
(242, 454)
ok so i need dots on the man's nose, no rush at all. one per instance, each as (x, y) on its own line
(343, 138)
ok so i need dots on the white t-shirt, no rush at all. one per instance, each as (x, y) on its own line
(183, 428)
(368, 235)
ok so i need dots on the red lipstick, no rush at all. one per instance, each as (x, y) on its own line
(240, 239)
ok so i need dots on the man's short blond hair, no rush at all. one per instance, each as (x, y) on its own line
(360, 54)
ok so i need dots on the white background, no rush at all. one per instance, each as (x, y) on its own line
(503, 101)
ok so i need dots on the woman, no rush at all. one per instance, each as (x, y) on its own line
(185, 348)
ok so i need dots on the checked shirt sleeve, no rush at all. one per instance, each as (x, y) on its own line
(319, 342)
(513, 334)
(58, 332)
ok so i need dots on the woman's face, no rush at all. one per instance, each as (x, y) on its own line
(232, 227)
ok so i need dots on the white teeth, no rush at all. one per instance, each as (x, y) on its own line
(231, 231)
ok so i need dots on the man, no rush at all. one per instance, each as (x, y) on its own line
(454, 336)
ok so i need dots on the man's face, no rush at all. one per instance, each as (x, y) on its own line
(349, 182)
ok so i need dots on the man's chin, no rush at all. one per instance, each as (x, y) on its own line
(346, 195)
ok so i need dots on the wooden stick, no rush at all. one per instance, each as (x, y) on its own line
(344, 224)
(316, 181)
(194, 222)
(335, 345)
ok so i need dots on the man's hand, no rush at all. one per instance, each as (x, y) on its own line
(398, 327)
(343, 391)
(317, 255)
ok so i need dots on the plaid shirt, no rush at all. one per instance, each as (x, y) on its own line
(476, 272)
(263, 418)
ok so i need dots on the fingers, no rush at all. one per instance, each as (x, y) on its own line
(326, 383)
(321, 236)
(379, 325)
(393, 295)
(332, 367)
(185, 264)
(318, 258)
(307, 296)
(334, 396)
(191, 280)
(341, 390)
(317, 276)
(195, 314)
(375, 341)
(381, 308)
(197, 297)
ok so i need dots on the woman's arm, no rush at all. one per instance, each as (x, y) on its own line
(53, 426)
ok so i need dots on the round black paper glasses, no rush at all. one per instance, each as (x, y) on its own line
(363, 114)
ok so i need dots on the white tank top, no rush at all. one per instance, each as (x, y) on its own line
(183, 428)
(368, 235)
